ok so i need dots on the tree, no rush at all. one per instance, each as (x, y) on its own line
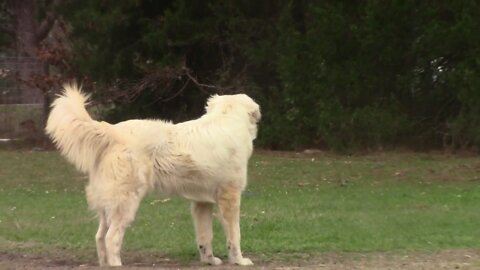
(28, 23)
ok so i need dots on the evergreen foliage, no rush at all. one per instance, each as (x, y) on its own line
(329, 74)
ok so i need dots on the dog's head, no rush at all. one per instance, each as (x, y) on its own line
(236, 104)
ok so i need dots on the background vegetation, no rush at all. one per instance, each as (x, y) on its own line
(328, 74)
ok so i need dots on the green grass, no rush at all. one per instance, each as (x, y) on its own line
(293, 205)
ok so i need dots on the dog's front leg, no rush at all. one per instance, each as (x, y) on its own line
(229, 206)
(202, 219)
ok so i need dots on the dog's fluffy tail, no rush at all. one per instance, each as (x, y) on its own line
(80, 139)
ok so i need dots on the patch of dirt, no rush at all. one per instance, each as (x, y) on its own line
(448, 259)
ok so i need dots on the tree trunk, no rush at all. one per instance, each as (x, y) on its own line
(26, 45)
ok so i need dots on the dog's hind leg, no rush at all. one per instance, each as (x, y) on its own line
(202, 219)
(100, 238)
(229, 205)
(119, 220)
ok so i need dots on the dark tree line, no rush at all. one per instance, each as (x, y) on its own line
(329, 74)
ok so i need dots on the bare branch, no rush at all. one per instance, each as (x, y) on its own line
(47, 23)
(8, 29)
(191, 77)
(178, 92)
(6, 8)
(168, 83)
(7, 18)
(202, 85)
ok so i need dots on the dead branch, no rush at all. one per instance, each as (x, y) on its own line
(194, 80)
(167, 83)
(8, 29)
(46, 25)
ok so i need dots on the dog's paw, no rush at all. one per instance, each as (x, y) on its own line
(242, 261)
(212, 260)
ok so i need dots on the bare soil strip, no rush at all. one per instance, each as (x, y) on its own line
(447, 259)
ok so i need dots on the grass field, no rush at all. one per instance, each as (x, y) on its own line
(296, 207)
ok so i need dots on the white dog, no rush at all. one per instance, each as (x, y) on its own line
(203, 160)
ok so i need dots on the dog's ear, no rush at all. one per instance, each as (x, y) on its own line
(219, 104)
(211, 102)
(255, 114)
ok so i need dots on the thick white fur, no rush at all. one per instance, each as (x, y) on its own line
(203, 160)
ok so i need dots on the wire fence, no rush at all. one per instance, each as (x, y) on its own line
(21, 113)
(12, 90)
